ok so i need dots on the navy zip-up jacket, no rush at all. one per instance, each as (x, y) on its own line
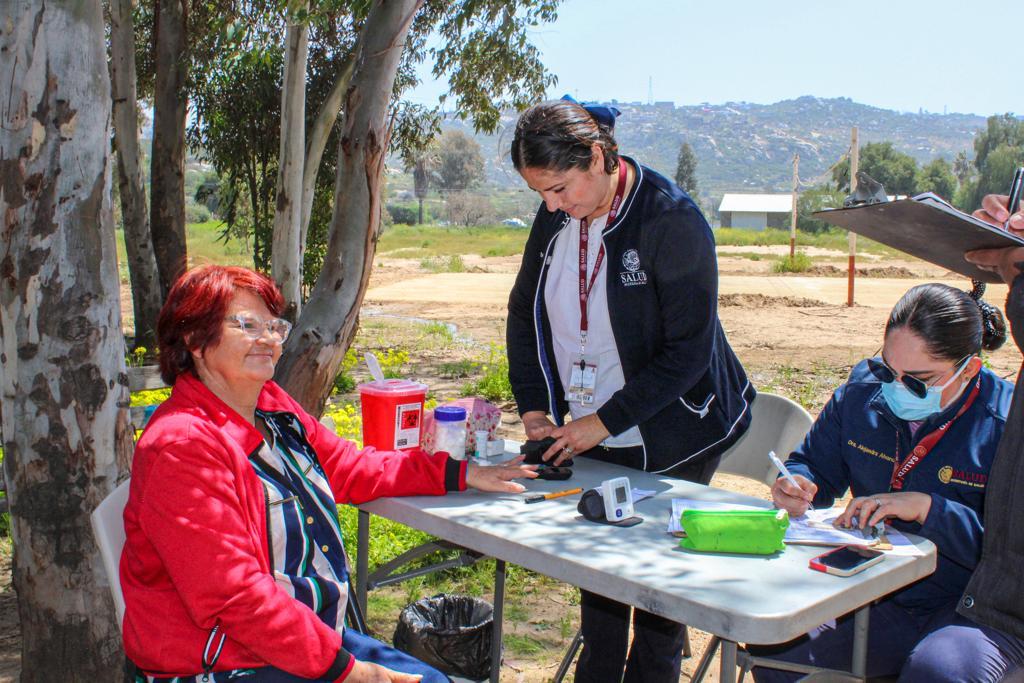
(852, 445)
(684, 387)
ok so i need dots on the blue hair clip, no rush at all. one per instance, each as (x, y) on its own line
(601, 113)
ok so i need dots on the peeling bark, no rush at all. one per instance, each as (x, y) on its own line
(327, 325)
(62, 375)
(287, 248)
(167, 165)
(145, 281)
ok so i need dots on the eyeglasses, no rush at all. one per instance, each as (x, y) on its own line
(916, 386)
(254, 327)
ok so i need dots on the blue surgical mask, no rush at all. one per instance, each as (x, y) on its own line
(906, 406)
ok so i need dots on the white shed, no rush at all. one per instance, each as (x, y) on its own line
(755, 211)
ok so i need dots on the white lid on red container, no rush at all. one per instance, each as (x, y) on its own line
(392, 387)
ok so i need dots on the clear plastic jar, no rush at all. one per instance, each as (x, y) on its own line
(450, 431)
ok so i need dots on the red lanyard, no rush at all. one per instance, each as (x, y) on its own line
(925, 445)
(584, 238)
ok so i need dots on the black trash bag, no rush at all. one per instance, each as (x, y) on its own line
(452, 633)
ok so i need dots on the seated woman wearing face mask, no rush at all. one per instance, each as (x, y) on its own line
(912, 434)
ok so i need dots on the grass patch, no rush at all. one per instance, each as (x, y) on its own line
(832, 239)
(797, 263)
(521, 644)
(438, 333)
(427, 241)
(443, 264)
(458, 369)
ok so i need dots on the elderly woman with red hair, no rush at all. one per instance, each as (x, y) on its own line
(234, 566)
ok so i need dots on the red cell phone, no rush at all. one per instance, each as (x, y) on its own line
(846, 560)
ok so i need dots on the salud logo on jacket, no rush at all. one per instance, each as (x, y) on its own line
(632, 275)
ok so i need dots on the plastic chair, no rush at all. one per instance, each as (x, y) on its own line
(776, 424)
(108, 528)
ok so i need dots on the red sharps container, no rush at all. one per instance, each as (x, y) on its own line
(392, 413)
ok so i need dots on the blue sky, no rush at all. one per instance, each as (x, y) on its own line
(906, 55)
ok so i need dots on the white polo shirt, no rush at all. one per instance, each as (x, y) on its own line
(561, 296)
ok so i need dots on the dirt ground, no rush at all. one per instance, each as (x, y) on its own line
(793, 333)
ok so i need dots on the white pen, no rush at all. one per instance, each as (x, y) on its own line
(782, 469)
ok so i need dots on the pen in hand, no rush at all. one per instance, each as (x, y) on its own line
(1013, 201)
(556, 494)
(783, 470)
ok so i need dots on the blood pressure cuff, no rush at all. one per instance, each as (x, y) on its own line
(750, 532)
(591, 506)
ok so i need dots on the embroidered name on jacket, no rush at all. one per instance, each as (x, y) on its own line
(633, 275)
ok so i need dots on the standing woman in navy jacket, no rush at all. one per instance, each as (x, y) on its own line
(912, 434)
(613, 320)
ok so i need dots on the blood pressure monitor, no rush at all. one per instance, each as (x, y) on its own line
(618, 499)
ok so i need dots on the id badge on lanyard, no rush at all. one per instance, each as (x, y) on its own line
(583, 377)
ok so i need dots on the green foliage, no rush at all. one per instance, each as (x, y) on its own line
(816, 199)
(403, 214)
(438, 333)
(458, 369)
(460, 165)
(149, 397)
(423, 241)
(522, 644)
(895, 170)
(136, 358)
(493, 384)
(443, 264)
(343, 381)
(237, 127)
(833, 238)
(686, 170)
(937, 176)
(348, 421)
(393, 362)
(797, 263)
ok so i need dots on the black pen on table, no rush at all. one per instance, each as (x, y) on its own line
(556, 494)
(1013, 201)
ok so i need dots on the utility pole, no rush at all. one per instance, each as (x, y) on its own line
(854, 163)
(792, 223)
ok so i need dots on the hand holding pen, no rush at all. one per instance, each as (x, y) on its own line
(792, 493)
(1004, 210)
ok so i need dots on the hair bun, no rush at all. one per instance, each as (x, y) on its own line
(993, 323)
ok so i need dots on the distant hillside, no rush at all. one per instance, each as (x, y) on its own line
(750, 147)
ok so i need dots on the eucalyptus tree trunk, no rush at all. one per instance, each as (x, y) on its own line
(287, 248)
(64, 414)
(316, 141)
(328, 322)
(167, 163)
(145, 281)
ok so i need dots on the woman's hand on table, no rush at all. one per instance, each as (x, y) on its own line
(498, 478)
(537, 424)
(368, 672)
(910, 506)
(794, 500)
(574, 438)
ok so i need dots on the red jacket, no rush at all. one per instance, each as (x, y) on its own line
(196, 553)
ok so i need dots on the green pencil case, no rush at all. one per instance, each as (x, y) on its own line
(751, 532)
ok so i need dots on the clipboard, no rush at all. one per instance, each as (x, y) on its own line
(928, 227)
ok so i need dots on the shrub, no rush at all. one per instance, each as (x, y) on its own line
(443, 264)
(493, 384)
(798, 263)
(403, 214)
(343, 381)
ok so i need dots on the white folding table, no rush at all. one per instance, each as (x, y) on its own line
(740, 598)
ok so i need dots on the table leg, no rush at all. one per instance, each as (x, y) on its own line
(727, 667)
(860, 641)
(362, 557)
(499, 613)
